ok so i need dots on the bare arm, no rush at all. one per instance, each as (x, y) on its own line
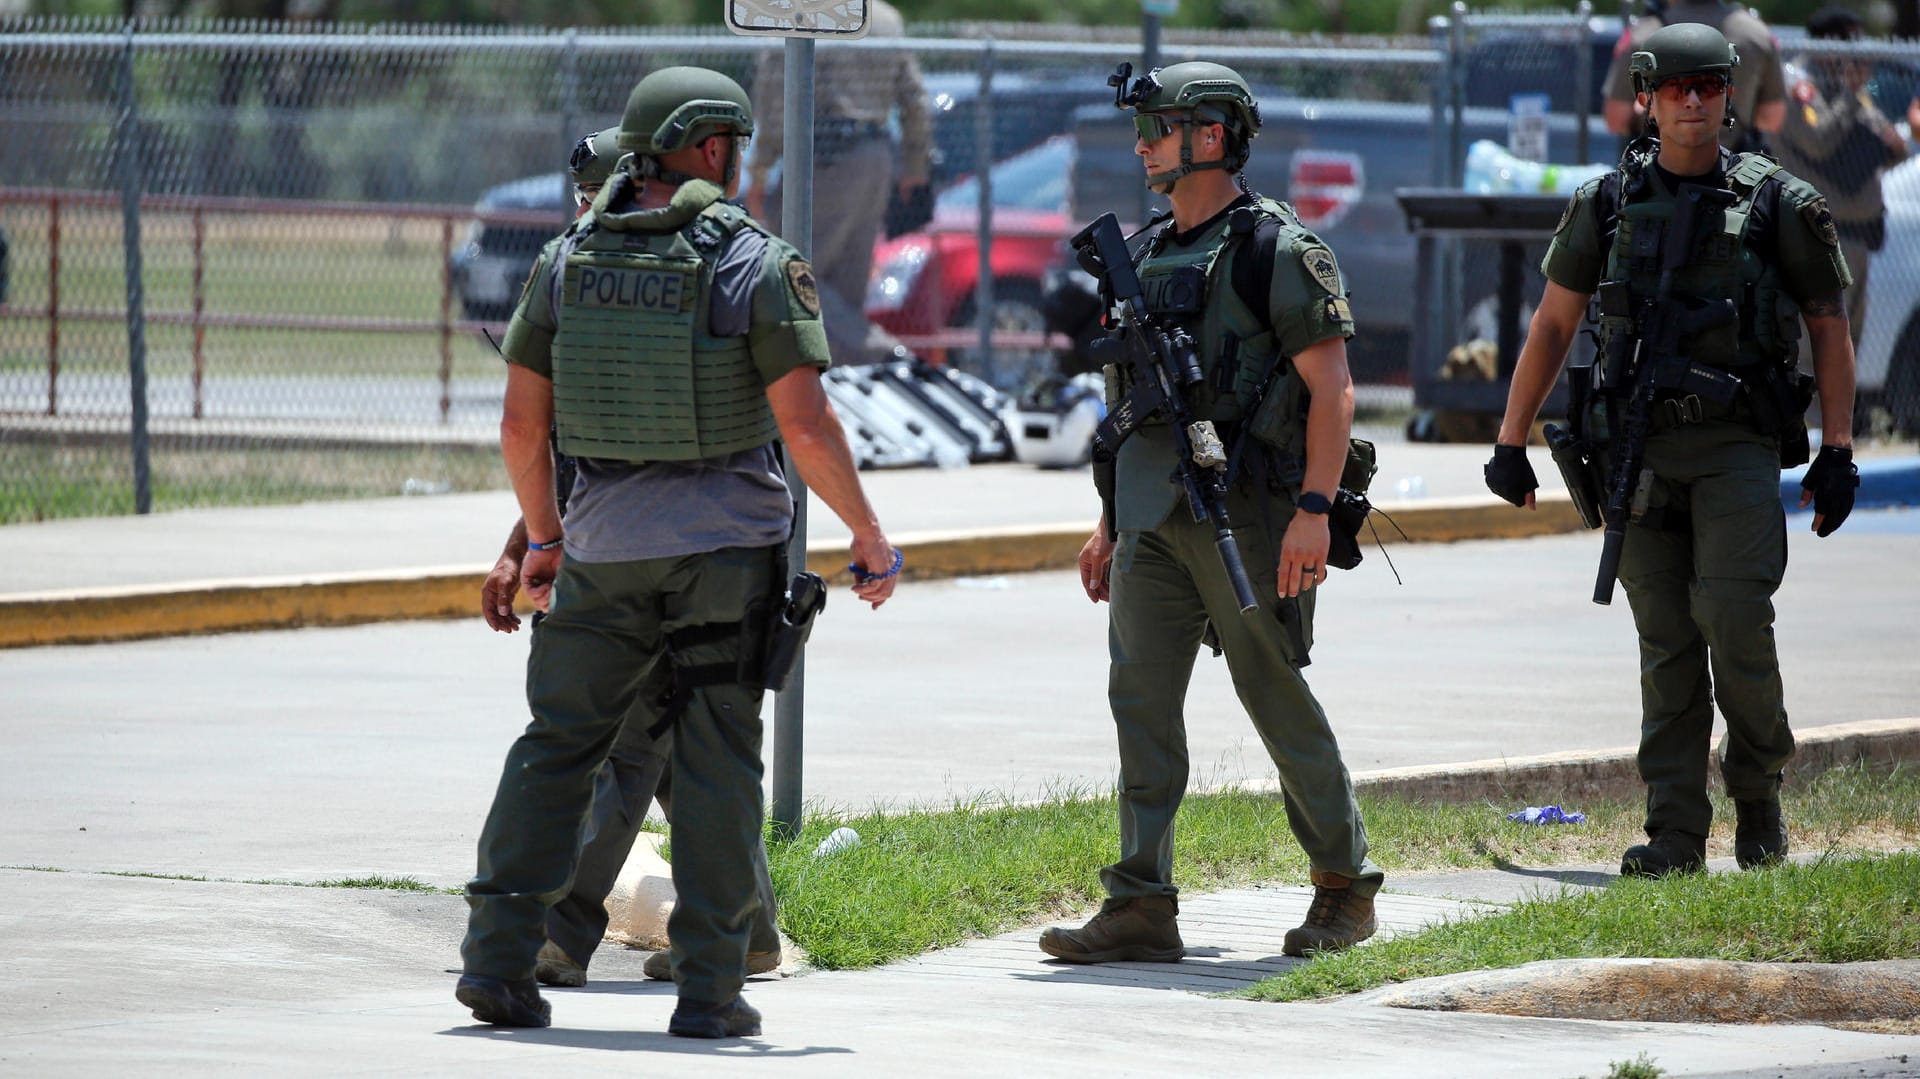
(819, 447)
(1832, 342)
(1620, 116)
(1323, 368)
(525, 420)
(1770, 116)
(1555, 322)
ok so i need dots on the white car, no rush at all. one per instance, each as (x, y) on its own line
(1887, 363)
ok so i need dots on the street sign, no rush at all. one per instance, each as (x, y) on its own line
(842, 20)
(1527, 126)
(1163, 8)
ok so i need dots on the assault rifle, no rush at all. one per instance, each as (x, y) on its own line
(1641, 364)
(1164, 368)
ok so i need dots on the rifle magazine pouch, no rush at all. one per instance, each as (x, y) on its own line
(788, 630)
(1362, 464)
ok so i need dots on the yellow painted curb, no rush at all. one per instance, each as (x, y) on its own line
(84, 616)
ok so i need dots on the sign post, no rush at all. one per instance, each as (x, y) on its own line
(800, 22)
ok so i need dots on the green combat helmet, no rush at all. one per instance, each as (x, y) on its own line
(1684, 48)
(677, 107)
(1209, 94)
(593, 158)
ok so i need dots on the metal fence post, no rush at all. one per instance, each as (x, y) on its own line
(1449, 291)
(130, 185)
(199, 312)
(1149, 59)
(983, 303)
(796, 220)
(1582, 81)
(569, 95)
(53, 306)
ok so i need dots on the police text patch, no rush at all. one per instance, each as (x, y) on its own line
(1319, 262)
(648, 290)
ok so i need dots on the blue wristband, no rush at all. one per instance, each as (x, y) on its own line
(860, 574)
(552, 544)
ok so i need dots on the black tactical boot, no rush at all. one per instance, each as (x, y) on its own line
(700, 1019)
(1337, 919)
(1664, 854)
(503, 1003)
(1137, 930)
(1760, 836)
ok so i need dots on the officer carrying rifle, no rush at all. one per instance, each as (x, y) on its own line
(1230, 407)
(1704, 264)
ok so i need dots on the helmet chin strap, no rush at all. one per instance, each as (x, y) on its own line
(1161, 183)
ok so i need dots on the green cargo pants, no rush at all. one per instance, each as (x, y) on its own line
(1166, 585)
(1701, 584)
(634, 777)
(604, 646)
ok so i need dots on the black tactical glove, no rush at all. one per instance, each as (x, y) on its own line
(1832, 478)
(1510, 474)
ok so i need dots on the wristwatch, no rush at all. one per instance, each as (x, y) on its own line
(1315, 503)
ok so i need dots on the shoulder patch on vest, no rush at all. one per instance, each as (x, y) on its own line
(1566, 216)
(1320, 263)
(800, 280)
(1820, 220)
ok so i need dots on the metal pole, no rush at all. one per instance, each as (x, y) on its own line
(199, 312)
(1149, 59)
(1450, 248)
(796, 225)
(569, 95)
(53, 306)
(1583, 81)
(983, 303)
(446, 320)
(130, 184)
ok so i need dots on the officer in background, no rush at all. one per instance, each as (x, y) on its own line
(1837, 138)
(1272, 314)
(1707, 545)
(674, 540)
(636, 769)
(1759, 99)
(855, 91)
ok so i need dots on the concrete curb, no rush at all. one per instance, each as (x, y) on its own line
(1673, 991)
(95, 615)
(1560, 778)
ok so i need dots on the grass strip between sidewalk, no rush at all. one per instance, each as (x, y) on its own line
(1842, 909)
(931, 877)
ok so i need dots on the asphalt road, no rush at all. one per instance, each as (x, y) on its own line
(324, 753)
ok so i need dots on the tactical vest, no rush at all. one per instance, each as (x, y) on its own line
(637, 373)
(1192, 289)
(1722, 266)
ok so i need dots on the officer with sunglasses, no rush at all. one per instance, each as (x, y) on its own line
(1266, 305)
(635, 773)
(1759, 101)
(1706, 544)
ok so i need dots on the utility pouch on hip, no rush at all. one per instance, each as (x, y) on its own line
(791, 625)
(1350, 505)
(1575, 459)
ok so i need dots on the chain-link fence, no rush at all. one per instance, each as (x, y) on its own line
(326, 222)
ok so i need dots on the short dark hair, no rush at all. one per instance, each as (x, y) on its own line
(1834, 22)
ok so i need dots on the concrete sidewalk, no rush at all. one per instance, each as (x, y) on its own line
(179, 978)
(341, 563)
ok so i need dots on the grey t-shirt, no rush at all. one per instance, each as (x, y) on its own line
(621, 512)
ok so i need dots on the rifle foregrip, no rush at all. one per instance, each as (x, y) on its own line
(1610, 547)
(1236, 571)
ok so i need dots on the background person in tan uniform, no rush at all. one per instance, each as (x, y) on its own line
(856, 91)
(1838, 140)
(1759, 95)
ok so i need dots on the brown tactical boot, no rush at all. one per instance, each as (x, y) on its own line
(553, 966)
(1137, 930)
(1338, 919)
(659, 965)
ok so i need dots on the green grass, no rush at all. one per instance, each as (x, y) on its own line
(1640, 1067)
(40, 481)
(933, 876)
(1842, 909)
(154, 876)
